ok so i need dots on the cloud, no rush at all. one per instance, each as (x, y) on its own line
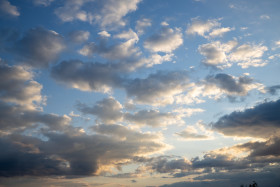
(153, 118)
(218, 86)
(219, 32)
(201, 27)
(86, 76)
(195, 132)
(142, 24)
(80, 155)
(7, 9)
(42, 2)
(222, 55)
(79, 36)
(108, 13)
(39, 47)
(249, 55)
(265, 17)
(122, 51)
(104, 34)
(166, 40)
(107, 110)
(261, 121)
(17, 86)
(157, 89)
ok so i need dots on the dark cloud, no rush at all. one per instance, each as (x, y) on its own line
(7, 9)
(39, 47)
(74, 155)
(260, 121)
(79, 36)
(273, 89)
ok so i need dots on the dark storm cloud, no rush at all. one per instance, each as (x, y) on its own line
(260, 121)
(39, 47)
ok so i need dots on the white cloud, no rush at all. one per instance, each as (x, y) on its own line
(42, 2)
(265, 17)
(201, 27)
(8, 9)
(104, 34)
(142, 24)
(219, 31)
(167, 40)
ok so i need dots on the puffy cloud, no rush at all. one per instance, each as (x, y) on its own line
(79, 36)
(166, 40)
(157, 89)
(39, 47)
(249, 55)
(201, 27)
(17, 86)
(107, 110)
(142, 24)
(86, 76)
(80, 155)
(121, 51)
(260, 121)
(104, 34)
(109, 13)
(219, 31)
(217, 86)
(216, 53)
(153, 118)
(222, 55)
(7, 9)
(195, 132)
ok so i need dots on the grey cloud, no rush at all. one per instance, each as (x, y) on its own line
(74, 155)
(39, 47)
(166, 40)
(152, 118)
(273, 89)
(107, 110)
(87, 76)
(6, 8)
(164, 165)
(17, 86)
(79, 36)
(192, 136)
(158, 88)
(260, 121)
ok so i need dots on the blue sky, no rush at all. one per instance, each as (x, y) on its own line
(139, 93)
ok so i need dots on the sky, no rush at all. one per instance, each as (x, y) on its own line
(139, 93)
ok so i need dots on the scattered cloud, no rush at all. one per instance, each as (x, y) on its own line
(6, 8)
(79, 36)
(265, 17)
(142, 24)
(166, 40)
(261, 121)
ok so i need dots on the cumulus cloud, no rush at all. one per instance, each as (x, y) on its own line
(142, 24)
(153, 118)
(218, 86)
(104, 34)
(39, 47)
(6, 8)
(86, 76)
(157, 89)
(261, 121)
(121, 51)
(166, 40)
(248, 55)
(68, 155)
(195, 132)
(107, 110)
(107, 13)
(17, 86)
(208, 29)
(222, 55)
(79, 36)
